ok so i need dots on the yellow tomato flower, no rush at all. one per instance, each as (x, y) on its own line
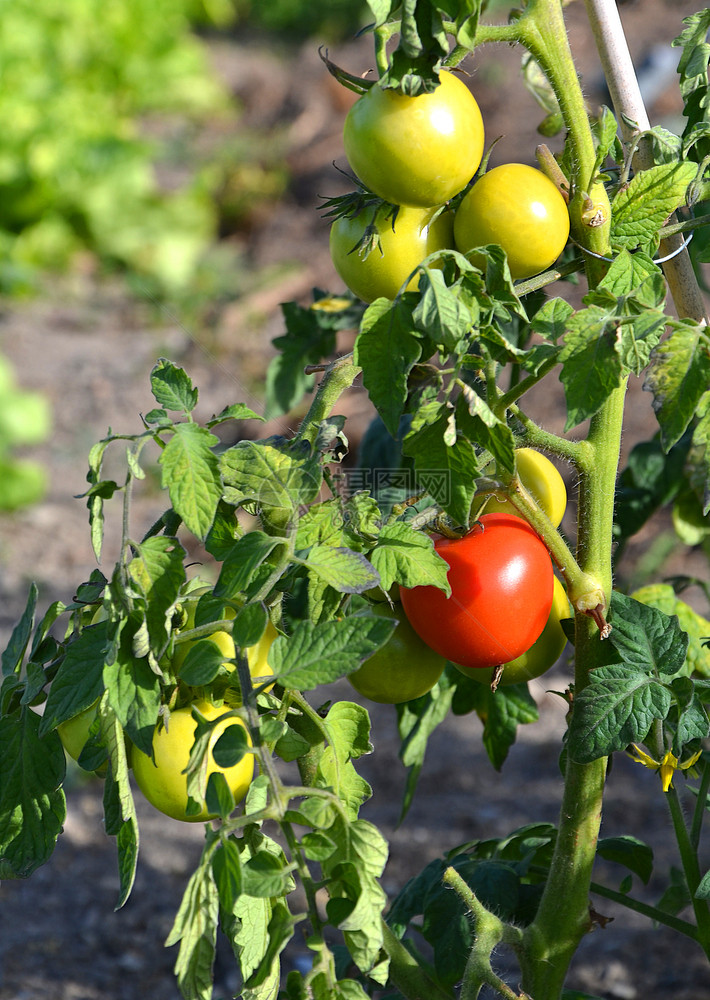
(667, 767)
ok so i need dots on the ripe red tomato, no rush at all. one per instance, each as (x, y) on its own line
(519, 208)
(404, 241)
(403, 669)
(544, 652)
(501, 594)
(415, 150)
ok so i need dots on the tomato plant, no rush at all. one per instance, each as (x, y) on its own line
(419, 150)
(540, 478)
(544, 652)
(403, 669)
(519, 208)
(376, 251)
(500, 576)
(75, 732)
(163, 779)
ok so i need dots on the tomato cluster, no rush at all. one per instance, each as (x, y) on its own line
(419, 153)
(162, 777)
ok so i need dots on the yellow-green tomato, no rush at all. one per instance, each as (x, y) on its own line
(540, 478)
(258, 656)
(403, 669)
(405, 239)
(164, 783)
(75, 732)
(518, 207)
(415, 150)
(543, 653)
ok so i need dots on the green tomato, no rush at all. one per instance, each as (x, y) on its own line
(164, 782)
(403, 669)
(539, 477)
(403, 241)
(415, 150)
(519, 208)
(544, 652)
(74, 734)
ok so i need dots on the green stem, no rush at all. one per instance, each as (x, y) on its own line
(700, 806)
(691, 868)
(338, 377)
(646, 910)
(406, 973)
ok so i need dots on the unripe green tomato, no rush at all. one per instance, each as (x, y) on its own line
(415, 150)
(75, 732)
(518, 207)
(403, 669)
(405, 241)
(164, 783)
(544, 652)
(539, 477)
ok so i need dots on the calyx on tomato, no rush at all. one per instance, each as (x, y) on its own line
(540, 478)
(164, 781)
(543, 654)
(403, 669)
(375, 251)
(415, 150)
(501, 576)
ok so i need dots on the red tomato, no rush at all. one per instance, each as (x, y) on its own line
(501, 594)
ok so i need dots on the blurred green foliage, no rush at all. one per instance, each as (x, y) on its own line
(25, 419)
(333, 20)
(80, 78)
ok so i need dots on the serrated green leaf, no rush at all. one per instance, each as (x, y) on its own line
(387, 348)
(346, 571)
(276, 473)
(645, 638)
(320, 654)
(79, 680)
(640, 209)
(629, 852)
(14, 652)
(697, 628)
(32, 802)
(243, 560)
(158, 571)
(172, 387)
(133, 692)
(416, 721)
(678, 378)
(237, 411)
(190, 473)
(408, 557)
(447, 470)
(195, 930)
(440, 313)
(507, 708)
(591, 366)
(550, 321)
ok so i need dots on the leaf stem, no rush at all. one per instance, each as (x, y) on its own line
(338, 377)
(406, 973)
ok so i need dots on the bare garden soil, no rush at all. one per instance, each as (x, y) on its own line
(90, 348)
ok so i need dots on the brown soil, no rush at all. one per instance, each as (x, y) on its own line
(90, 349)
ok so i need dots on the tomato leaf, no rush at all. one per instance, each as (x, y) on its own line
(320, 654)
(693, 73)
(678, 377)
(697, 628)
(79, 680)
(190, 473)
(119, 808)
(645, 637)
(387, 348)
(242, 561)
(445, 461)
(408, 557)
(157, 570)
(641, 208)
(416, 721)
(195, 930)
(274, 473)
(14, 652)
(346, 571)
(440, 312)
(591, 366)
(172, 387)
(505, 710)
(134, 693)
(32, 802)
(629, 852)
